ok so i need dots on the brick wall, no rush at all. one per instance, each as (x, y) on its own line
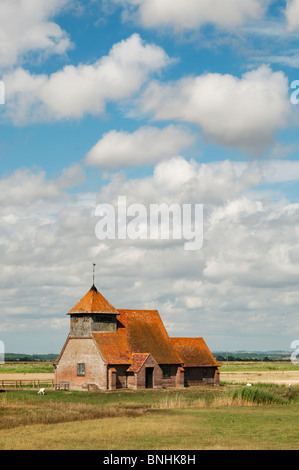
(171, 380)
(131, 380)
(180, 377)
(121, 376)
(199, 376)
(81, 351)
(157, 374)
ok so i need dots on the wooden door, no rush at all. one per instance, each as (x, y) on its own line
(149, 372)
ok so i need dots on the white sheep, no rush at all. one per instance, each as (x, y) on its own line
(248, 385)
(290, 385)
(41, 391)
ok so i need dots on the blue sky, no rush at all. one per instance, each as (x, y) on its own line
(163, 102)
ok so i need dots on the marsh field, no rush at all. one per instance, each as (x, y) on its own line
(229, 417)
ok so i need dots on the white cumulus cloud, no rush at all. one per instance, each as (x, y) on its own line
(74, 91)
(26, 26)
(146, 145)
(236, 112)
(191, 14)
(292, 14)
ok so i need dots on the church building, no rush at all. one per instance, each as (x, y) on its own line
(109, 348)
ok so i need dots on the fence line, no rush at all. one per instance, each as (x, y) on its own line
(29, 383)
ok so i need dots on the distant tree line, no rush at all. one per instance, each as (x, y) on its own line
(13, 357)
(252, 356)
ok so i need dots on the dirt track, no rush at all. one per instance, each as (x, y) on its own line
(41, 376)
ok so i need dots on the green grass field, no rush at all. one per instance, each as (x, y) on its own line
(28, 368)
(226, 417)
(231, 416)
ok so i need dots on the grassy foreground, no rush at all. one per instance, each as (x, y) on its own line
(225, 417)
(252, 428)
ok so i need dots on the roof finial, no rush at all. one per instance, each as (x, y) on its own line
(93, 272)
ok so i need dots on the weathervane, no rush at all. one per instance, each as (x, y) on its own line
(93, 272)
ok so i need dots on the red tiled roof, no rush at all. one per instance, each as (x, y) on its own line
(93, 302)
(138, 361)
(113, 347)
(138, 331)
(194, 352)
(146, 333)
